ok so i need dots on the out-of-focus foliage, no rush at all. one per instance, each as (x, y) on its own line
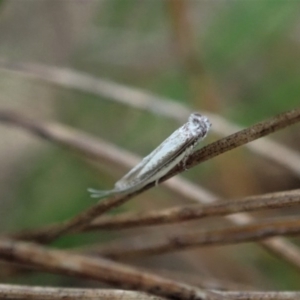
(249, 50)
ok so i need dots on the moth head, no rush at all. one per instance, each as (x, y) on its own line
(199, 122)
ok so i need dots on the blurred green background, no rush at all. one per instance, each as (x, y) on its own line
(237, 59)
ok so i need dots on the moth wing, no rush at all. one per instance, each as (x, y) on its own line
(165, 153)
(133, 173)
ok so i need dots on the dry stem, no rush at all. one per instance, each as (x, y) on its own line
(102, 270)
(19, 292)
(144, 245)
(182, 213)
(191, 212)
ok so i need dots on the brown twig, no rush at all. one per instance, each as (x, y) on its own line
(182, 213)
(144, 245)
(267, 148)
(262, 295)
(102, 270)
(243, 137)
(14, 292)
(191, 212)
(20, 292)
(68, 137)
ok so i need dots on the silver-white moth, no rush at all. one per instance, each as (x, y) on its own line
(175, 149)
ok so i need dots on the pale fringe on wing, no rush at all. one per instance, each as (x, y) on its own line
(100, 193)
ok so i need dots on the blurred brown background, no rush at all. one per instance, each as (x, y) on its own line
(237, 59)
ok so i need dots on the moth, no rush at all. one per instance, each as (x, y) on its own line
(175, 149)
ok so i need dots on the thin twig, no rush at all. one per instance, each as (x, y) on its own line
(267, 148)
(144, 245)
(21, 292)
(76, 140)
(102, 270)
(182, 213)
(196, 211)
(242, 137)
(262, 295)
(205, 281)
(144, 100)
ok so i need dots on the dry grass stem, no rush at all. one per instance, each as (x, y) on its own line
(266, 148)
(191, 212)
(144, 245)
(68, 137)
(262, 295)
(181, 213)
(242, 137)
(106, 271)
(19, 292)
